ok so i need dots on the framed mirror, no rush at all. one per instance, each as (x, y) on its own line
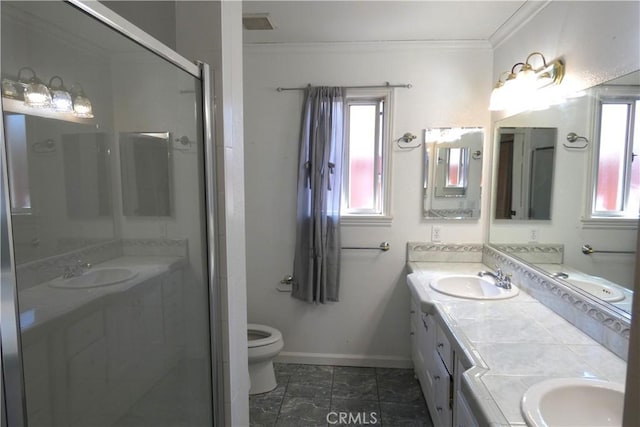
(145, 159)
(452, 173)
(576, 242)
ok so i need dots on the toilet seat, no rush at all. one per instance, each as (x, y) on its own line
(267, 335)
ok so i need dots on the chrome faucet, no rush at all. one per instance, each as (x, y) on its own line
(75, 269)
(502, 280)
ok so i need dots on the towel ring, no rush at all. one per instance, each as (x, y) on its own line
(572, 137)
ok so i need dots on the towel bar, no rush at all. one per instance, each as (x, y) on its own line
(384, 247)
(588, 250)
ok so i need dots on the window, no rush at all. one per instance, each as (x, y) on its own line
(18, 165)
(366, 135)
(616, 189)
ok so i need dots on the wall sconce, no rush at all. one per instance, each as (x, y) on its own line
(522, 88)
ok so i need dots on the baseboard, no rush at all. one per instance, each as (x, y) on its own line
(344, 360)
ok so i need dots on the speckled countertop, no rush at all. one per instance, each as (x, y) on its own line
(509, 345)
(41, 304)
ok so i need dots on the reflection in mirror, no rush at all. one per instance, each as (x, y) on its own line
(525, 173)
(452, 169)
(589, 188)
(146, 173)
(452, 173)
(45, 194)
(86, 173)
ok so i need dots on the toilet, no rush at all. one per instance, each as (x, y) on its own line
(264, 343)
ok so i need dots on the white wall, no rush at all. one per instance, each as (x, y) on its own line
(598, 41)
(369, 324)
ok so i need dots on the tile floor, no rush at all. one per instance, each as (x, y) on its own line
(314, 395)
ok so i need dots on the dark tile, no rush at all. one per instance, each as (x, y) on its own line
(301, 411)
(321, 389)
(271, 399)
(394, 373)
(285, 368)
(312, 374)
(261, 417)
(353, 370)
(403, 415)
(354, 412)
(357, 387)
(398, 385)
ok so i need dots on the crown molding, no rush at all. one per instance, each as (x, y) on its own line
(520, 18)
(367, 46)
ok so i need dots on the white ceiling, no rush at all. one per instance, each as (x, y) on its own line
(317, 21)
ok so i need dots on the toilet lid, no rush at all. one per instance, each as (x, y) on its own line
(260, 335)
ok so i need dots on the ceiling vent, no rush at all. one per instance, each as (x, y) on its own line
(257, 21)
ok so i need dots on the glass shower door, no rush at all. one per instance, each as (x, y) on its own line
(106, 179)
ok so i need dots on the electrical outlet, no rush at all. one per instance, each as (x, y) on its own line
(533, 235)
(435, 233)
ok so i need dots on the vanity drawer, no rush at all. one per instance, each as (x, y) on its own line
(443, 348)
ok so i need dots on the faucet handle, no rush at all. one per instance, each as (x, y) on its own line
(499, 273)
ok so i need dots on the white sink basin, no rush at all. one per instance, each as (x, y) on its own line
(95, 278)
(602, 291)
(573, 402)
(471, 287)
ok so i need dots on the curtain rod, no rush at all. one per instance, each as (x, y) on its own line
(386, 85)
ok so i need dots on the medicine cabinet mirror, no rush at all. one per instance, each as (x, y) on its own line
(452, 173)
(145, 159)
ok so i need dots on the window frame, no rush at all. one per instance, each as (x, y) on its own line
(621, 219)
(382, 198)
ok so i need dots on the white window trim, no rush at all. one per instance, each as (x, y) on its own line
(385, 218)
(589, 220)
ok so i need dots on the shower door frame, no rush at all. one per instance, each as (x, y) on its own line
(12, 390)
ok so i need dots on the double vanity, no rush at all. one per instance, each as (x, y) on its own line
(487, 352)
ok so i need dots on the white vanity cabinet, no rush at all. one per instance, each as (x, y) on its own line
(438, 370)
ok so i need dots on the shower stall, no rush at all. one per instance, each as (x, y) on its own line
(107, 224)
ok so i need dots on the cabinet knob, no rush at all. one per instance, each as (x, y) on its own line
(437, 377)
(412, 333)
(412, 312)
(439, 408)
(440, 345)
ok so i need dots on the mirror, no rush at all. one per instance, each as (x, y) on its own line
(145, 159)
(452, 173)
(53, 166)
(525, 173)
(553, 233)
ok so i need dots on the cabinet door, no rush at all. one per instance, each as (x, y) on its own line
(444, 349)
(463, 416)
(427, 339)
(443, 384)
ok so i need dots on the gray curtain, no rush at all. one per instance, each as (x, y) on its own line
(316, 267)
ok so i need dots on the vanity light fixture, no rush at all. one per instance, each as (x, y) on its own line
(36, 93)
(81, 104)
(27, 94)
(528, 87)
(60, 96)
